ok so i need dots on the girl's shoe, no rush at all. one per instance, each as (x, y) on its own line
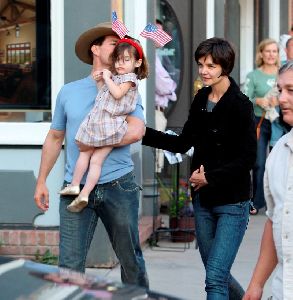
(70, 190)
(78, 204)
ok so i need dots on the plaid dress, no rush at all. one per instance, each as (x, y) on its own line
(105, 124)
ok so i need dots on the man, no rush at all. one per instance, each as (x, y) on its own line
(289, 49)
(282, 44)
(116, 197)
(276, 249)
(165, 91)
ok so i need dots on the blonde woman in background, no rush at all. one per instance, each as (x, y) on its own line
(258, 84)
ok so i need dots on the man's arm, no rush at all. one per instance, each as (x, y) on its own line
(265, 265)
(135, 131)
(50, 152)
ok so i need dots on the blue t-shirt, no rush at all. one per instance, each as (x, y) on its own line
(74, 102)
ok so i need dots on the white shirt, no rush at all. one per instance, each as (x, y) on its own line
(278, 188)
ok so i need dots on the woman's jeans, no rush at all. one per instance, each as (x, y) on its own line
(259, 168)
(219, 233)
(116, 203)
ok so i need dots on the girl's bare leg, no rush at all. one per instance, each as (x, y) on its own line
(80, 168)
(95, 168)
(96, 162)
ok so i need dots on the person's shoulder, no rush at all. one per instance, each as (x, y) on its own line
(242, 101)
(203, 92)
(286, 138)
(242, 97)
(253, 73)
(280, 146)
(78, 83)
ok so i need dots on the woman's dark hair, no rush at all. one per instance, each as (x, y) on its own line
(221, 52)
(118, 53)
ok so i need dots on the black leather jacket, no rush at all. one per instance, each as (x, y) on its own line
(224, 141)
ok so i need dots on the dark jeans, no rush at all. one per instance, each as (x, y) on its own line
(116, 203)
(219, 233)
(259, 168)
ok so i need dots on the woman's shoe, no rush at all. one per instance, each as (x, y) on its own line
(73, 190)
(253, 210)
(78, 204)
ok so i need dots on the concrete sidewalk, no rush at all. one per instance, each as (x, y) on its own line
(179, 272)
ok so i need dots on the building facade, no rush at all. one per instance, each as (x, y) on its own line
(37, 39)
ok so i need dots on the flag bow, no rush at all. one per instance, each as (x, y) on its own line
(156, 34)
(151, 31)
(118, 26)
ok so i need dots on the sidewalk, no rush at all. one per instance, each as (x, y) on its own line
(178, 272)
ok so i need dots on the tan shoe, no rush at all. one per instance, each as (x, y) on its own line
(78, 204)
(70, 190)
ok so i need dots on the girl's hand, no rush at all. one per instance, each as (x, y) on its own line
(106, 74)
(97, 75)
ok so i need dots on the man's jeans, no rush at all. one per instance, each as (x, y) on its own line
(116, 203)
(219, 232)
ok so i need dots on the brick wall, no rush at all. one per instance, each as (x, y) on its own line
(26, 243)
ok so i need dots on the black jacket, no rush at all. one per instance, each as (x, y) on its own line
(224, 141)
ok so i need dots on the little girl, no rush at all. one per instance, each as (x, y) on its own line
(105, 125)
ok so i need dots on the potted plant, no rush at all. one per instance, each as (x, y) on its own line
(181, 214)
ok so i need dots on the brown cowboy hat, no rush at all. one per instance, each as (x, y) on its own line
(84, 42)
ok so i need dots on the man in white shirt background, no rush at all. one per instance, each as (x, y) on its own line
(276, 251)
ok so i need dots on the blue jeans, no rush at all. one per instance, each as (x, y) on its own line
(219, 233)
(116, 203)
(259, 168)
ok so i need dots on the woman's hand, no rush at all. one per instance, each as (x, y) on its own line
(198, 178)
(262, 102)
(274, 101)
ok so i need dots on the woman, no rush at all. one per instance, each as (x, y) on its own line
(220, 126)
(258, 84)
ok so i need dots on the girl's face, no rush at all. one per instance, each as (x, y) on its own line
(209, 72)
(126, 64)
(270, 54)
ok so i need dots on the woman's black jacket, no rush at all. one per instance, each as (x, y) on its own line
(224, 141)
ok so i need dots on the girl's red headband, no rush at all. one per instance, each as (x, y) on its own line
(134, 44)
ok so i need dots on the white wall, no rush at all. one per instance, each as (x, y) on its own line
(136, 20)
(246, 38)
(210, 20)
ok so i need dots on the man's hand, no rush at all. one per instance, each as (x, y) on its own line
(198, 178)
(253, 293)
(42, 196)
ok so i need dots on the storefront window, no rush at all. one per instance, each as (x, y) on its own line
(25, 61)
(170, 54)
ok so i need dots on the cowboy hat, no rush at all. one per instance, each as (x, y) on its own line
(85, 40)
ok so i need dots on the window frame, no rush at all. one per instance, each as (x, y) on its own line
(29, 133)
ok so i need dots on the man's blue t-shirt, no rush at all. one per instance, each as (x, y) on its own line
(74, 102)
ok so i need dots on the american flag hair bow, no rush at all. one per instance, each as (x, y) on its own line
(159, 36)
(118, 26)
